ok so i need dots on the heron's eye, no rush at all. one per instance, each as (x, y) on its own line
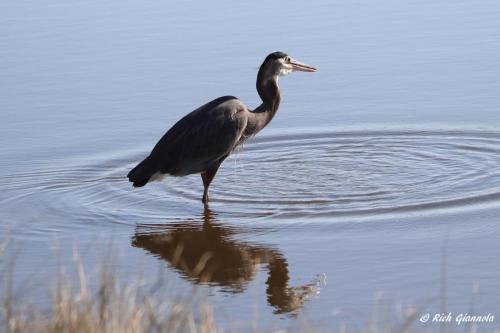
(287, 59)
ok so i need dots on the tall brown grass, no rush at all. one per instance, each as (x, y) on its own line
(102, 307)
(107, 306)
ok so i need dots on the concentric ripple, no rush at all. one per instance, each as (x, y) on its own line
(320, 174)
(361, 173)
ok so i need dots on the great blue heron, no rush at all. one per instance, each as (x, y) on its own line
(201, 141)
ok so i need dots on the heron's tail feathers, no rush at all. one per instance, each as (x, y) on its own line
(141, 174)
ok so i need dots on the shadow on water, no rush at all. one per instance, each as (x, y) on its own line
(203, 250)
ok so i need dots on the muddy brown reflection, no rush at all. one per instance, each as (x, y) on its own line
(203, 250)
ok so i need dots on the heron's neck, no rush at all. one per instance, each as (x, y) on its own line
(269, 92)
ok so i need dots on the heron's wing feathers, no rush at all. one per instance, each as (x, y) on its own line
(201, 138)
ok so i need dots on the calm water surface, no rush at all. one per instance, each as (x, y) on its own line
(387, 155)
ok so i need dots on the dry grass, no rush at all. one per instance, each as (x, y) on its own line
(111, 311)
(106, 307)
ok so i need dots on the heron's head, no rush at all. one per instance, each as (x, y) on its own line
(280, 64)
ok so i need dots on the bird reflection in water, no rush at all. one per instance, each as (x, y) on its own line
(204, 251)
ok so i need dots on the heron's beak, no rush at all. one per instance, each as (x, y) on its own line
(301, 67)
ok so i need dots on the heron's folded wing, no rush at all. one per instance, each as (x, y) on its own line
(200, 138)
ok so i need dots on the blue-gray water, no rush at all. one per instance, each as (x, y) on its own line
(387, 155)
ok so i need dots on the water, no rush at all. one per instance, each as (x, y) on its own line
(376, 167)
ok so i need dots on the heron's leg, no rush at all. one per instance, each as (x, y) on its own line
(207, 176)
